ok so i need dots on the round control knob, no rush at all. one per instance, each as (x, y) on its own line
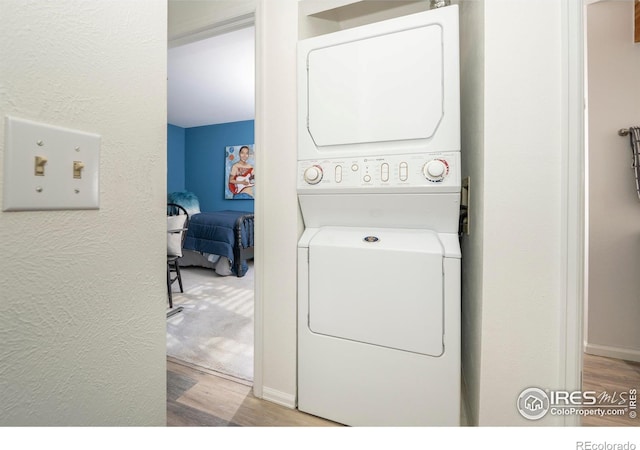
(436, 170)
(313, 175)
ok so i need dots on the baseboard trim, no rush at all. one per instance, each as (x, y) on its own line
(612, 352)
(279, 397)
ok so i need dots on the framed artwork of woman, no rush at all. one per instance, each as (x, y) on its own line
(239, 172)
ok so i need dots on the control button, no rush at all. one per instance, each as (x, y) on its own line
(404, 171)
(354, 167)
(436, 170)
(313, 175)
(384, 172)
(366, 178)
(338, 174)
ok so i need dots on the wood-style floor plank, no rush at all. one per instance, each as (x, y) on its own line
(257, 412)
(198, 397)
(179, 415)
(611, 376)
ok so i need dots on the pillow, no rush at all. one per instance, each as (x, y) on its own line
(174, 239)
(188, 200)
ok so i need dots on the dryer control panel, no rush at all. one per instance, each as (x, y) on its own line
(422, 172)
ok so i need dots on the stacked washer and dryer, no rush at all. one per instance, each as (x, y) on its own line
(379, 190)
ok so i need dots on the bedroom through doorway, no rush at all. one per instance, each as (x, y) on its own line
(210, 134)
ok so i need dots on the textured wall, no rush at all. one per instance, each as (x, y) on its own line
(83, 293)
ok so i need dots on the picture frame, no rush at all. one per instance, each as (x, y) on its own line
(239, 181)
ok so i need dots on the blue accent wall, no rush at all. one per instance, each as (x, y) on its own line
(205, 163)
(175, 158)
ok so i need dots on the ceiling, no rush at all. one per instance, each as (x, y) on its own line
(212, 81)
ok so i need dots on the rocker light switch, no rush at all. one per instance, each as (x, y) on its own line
(48, 167)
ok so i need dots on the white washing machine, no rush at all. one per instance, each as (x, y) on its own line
(379, 190)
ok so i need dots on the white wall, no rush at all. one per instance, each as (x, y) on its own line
(277, 218)
(522, 199)
(513, 152)
(614, 238)
(83, 292)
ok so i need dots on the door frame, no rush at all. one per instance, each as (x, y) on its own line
(574, 218)
(242, 16)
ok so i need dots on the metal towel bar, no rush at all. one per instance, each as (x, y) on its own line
(634, 133)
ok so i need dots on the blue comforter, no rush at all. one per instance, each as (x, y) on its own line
(214, 232)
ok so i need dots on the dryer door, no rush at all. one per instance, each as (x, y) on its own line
(388, 87)
(381, 287)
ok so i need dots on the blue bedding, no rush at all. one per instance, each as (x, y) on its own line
(214, 233)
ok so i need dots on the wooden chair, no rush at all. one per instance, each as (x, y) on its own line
(177, 225)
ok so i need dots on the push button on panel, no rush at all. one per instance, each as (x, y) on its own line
(338, 174)
(404, 171)
(384, 172)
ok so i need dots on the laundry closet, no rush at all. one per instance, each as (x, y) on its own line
(379, 188)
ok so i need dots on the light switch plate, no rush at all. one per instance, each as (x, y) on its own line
(42, 163)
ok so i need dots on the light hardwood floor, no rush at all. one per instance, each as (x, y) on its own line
(610, 375)
(197, 397)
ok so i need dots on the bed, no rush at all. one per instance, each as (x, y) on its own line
(224, 239)
(219, 240)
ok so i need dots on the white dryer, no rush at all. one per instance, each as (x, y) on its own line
(379, 190)
(379, 326)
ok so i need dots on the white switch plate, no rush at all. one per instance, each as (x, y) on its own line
(57, 188)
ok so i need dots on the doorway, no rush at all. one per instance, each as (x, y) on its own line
(211, 107)
(612, 216)
(614, 205)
